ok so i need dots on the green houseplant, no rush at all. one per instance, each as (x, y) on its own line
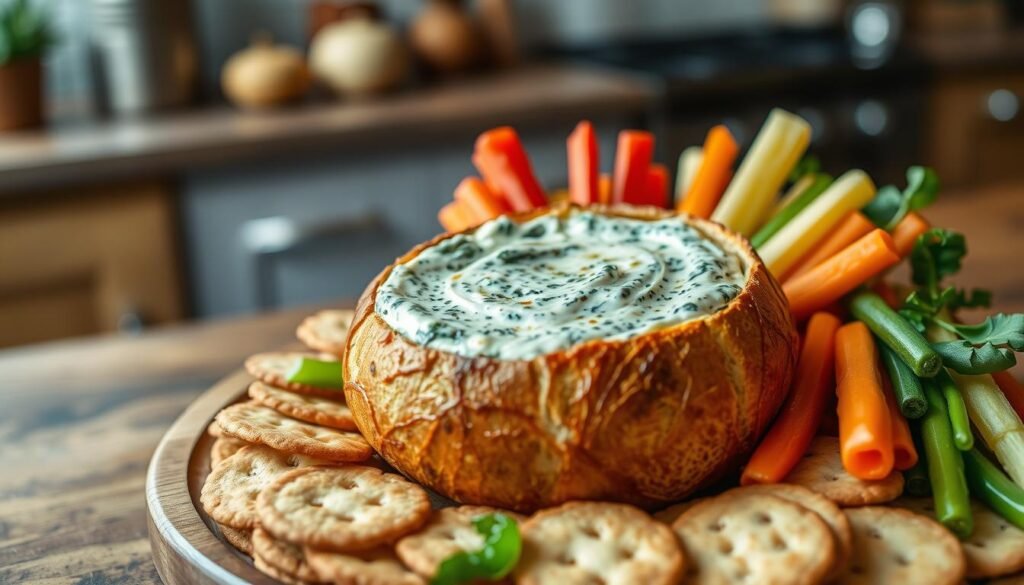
(25, 34)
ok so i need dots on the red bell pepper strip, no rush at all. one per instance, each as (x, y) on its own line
(632, 165)
(581, 148)
(657, 186)
(502, 161)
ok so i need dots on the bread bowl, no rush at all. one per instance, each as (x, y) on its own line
(644, 417)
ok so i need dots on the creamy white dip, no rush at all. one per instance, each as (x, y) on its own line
(517, 291)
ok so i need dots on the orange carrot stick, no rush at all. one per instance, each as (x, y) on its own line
(455, 217)
(865, 425)
(903, 450)
(583, 160)
(501, 159)
(840, 274)
(1012, 389)
(632, 162)
(604, 188)
(853, 227)
(907, 230)
(793, 430)
(657, 186)
(478, 200)
(720, 150)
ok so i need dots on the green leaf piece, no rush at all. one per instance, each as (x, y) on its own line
(936, 255)
(965, 358)
(890, 205)
(999, 329)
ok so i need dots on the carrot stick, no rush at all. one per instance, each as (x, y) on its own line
(657, 186)
(793, 430)
(720, 150)
(455, 217)
(906, 232)
(502, 161)
(865, 424)
(903, 449)
(604, 188)
(853, 227)
(632, 162)
(840, 274)
(583, 160)
(478, 200)
(1012, 389)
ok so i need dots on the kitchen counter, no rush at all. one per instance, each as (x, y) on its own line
(80, 419)
(77, 153)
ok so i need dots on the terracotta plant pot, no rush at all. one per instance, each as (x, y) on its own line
(21, 94)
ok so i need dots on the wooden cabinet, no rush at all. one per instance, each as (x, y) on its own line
(977, 129)
(87, 261)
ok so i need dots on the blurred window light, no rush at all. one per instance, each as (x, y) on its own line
(1003, 105)
(871, 25)
(871, 117)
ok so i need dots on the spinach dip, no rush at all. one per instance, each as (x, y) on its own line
(517, 291)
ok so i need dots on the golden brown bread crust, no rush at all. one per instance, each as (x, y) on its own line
(645, 421)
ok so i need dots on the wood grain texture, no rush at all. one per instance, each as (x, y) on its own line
(79, 420)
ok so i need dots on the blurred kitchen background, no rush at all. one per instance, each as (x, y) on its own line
(166, 160)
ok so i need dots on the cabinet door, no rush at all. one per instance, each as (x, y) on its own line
(94, 260)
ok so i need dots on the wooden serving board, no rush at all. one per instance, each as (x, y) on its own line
(186, 548)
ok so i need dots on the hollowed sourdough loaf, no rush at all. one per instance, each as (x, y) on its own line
(646, 420)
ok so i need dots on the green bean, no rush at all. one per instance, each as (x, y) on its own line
(905, 385)
(802, 200)
(989, 484)
(916, 478)
(945, 467)
(896, 333)
(963, 438)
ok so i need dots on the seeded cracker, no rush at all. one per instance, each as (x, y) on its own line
(312, 409)
(449, 531)
(325, 331)
(273, 368)
(259, 424)
(821, 470)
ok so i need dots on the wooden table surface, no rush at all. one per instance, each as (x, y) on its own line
(80, 419)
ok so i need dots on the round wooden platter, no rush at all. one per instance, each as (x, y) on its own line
(186, 548)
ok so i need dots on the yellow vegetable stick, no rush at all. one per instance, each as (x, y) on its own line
(689, 162)
(776, 150)
(798, 187)
(997, 422)
(848, 193)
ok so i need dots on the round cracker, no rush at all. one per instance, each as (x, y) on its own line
(821, 470)
(304, 407)
(223, 448)
(891, 545)
(258, 424)
(275, 573)
(286, 557)
(326, 330)
(229, 494)
(378, 566)
(342, 509)
(821, 506)
(673, 512)
(755, 538)
(273, 368)
(449, 531)
(239, 538)
(591, 542)
(995, 548)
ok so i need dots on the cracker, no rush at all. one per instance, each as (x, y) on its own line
(229, 494)
(273, 368)
(240, 538)
(755, 538)
(378, 566)
(449, 531)
(273, 572)
(326, 330)
(891, 545)
(342, 509)
(258, 424)
(594, 542)
(995, 548)
(286, 557)
(821, 470)
(223, 448)
(820, 505)
(312, 409)
(669, 515)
